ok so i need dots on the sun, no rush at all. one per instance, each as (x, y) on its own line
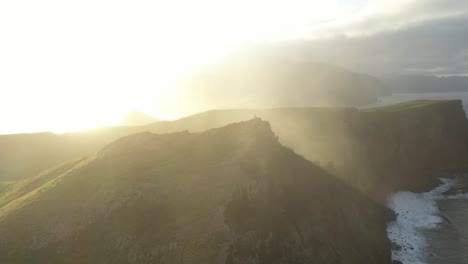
(75, 65)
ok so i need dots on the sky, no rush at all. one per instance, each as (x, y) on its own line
(421, 37)
(71, 65)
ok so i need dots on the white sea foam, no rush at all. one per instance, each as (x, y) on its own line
(415, 212)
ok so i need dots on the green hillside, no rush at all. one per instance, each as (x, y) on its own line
(227, 195)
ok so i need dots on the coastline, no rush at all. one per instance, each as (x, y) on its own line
(419, 218)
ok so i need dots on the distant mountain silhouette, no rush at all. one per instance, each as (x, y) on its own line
(231, 195)
(269, 81)
(425, 84)
(137, 118)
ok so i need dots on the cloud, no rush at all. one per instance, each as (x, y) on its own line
(371, 17)
(394, 37)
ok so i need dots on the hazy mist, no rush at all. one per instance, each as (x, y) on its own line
(112, 57)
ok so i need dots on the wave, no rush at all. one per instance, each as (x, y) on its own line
(416, 212)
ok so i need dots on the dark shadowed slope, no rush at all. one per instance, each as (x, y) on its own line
(228, 195)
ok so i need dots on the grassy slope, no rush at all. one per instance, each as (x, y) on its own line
(228, 195)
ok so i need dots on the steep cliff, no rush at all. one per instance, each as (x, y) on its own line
(412, 143)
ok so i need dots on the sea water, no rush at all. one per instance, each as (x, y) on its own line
(430, 227)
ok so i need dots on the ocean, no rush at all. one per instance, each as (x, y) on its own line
(431, 227)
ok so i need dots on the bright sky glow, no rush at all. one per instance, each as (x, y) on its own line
(69, 65)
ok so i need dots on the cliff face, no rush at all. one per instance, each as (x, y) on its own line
(228, 195)
(399, 147)
(412, 143)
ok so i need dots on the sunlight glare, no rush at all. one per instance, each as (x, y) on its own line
(85, 63)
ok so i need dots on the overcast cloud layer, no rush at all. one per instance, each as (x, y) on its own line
(427, 37)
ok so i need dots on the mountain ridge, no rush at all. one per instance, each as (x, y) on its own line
(192, 198)
(337, 139)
